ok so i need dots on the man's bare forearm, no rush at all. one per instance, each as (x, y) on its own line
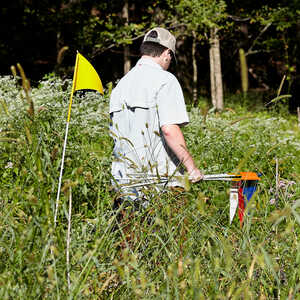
(175, 140)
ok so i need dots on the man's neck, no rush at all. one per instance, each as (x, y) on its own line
(156, 59)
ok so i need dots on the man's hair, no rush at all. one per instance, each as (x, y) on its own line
(151, 48)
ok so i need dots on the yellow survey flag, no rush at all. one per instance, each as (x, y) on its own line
(85, 78)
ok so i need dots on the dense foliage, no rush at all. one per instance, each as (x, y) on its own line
(181, 246)
(44, 36)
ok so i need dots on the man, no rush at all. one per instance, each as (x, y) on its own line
(147, 109)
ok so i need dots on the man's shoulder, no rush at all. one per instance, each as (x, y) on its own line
(156, 74)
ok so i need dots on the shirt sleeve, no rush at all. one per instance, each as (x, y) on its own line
(114, 101)
(171, 105)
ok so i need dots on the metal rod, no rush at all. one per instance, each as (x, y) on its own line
(61, 173)
(164, 179)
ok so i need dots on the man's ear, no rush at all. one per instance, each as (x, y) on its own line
(165, 53)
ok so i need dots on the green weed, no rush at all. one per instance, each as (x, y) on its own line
(181, 246)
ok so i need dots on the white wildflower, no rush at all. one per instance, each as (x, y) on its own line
(9, 165)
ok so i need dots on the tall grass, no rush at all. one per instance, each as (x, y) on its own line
(181, 246)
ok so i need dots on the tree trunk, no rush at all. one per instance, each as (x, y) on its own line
(215, 70)
(127, 62)
(212, 76)
(244, 71)
(195, 71)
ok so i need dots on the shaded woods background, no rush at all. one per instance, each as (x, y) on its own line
(44, 36)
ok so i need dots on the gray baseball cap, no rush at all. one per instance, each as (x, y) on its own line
(164, 38)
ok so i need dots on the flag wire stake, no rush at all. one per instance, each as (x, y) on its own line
(277, 182)
(65, 141)
(69, 240)
(61, 172)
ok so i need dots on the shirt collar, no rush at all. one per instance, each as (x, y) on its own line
(149, 62)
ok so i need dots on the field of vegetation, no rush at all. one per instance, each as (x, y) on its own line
(182, 245)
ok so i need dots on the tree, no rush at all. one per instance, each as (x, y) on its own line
(202, 19)
(125, 15)
(268, 31)
(216, 82)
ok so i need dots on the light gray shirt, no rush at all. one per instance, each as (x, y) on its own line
(144, 100)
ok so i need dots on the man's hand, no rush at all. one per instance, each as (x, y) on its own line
(195, 175)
